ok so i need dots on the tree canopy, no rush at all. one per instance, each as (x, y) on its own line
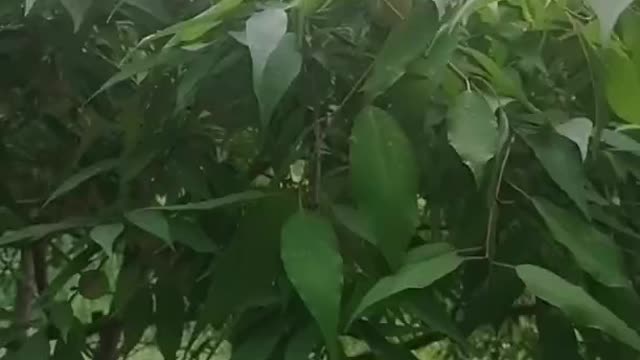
(319, 179)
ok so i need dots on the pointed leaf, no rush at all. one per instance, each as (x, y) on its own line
(314, 266)
(577, 130)
(594, 252)
(576, 303)
(412, 276)
(35, 232)
(151, 221)
(608, 12)
(265, 30)
(191, 234)
(77, 9)
(170, 313)
(106, 235)
(61, 315)
(406, 42)
(35, 347)
(560, 157)
(82, 176)
(621, 142)
(232, 199)
(281, 70)
(384, 180)
(473, 131)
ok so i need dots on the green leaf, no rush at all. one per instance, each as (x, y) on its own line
(93, 284)
(61, 315)
(473, 131)
(28, 5)
(260, 343)
(576, 303)
(621, 142)
(314, 266)
(232, 199)
(560, 157)
(35, 347)
(384, 180)
(155, 8)
(622, 81)
(139, 315)
(577, 130)
(106, 235)
(264, 31)
(170, 317)
(191, 234)
(424, 306)
(302, 343)
(77, 9)
(192, 28)
(557, 340)
(499, 77)
(608, 12)
(412, 276)
(406, 42)
(151, 221)
(428, 251)
(257, 242)
(354, 222)
(35, 232)
(594, 252)
(281, 70)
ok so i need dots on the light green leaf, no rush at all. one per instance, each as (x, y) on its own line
(594, 252)
(93, 284)
(81, 176)
(281, 70)
(264, 31)
(152, 222)
(499, 77)
(77, 9)
(473, 131)
(106, 235)
(406, 42)
(198, 25)
(227, 200)
(560, 157)
(621, 142)
(608, 12)
(170, 317)
(314, 266)
(411, 276)
(576, 303)
(622, 82)
(28, 5)
(191, 234)
(577, 130)
(384, 180)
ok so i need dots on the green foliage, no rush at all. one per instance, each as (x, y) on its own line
(320, 179)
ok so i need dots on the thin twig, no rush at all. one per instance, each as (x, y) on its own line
(493, 211)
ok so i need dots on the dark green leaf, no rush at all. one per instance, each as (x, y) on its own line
(170, 313)
(621, 142)
(106, 235)
(406, 42)
(139, 315)
(302, 343)
(314, 266)
(557, 339)
(355, 222)
(35, 347)
(594, 252)
(238, 198)
(428, 251)
(576, 303)
(151, 221)
(260, 344)
(473, 131)
(384, 178)
(560, 157)
(191, 234)
(28, 5)
(61, 315)
(382, 348)
(77, 9)
(35, 232)
(412, 276)
(424, 306)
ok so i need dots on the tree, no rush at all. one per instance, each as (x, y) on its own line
(292, 178)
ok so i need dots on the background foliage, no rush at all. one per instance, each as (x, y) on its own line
(380, 179)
